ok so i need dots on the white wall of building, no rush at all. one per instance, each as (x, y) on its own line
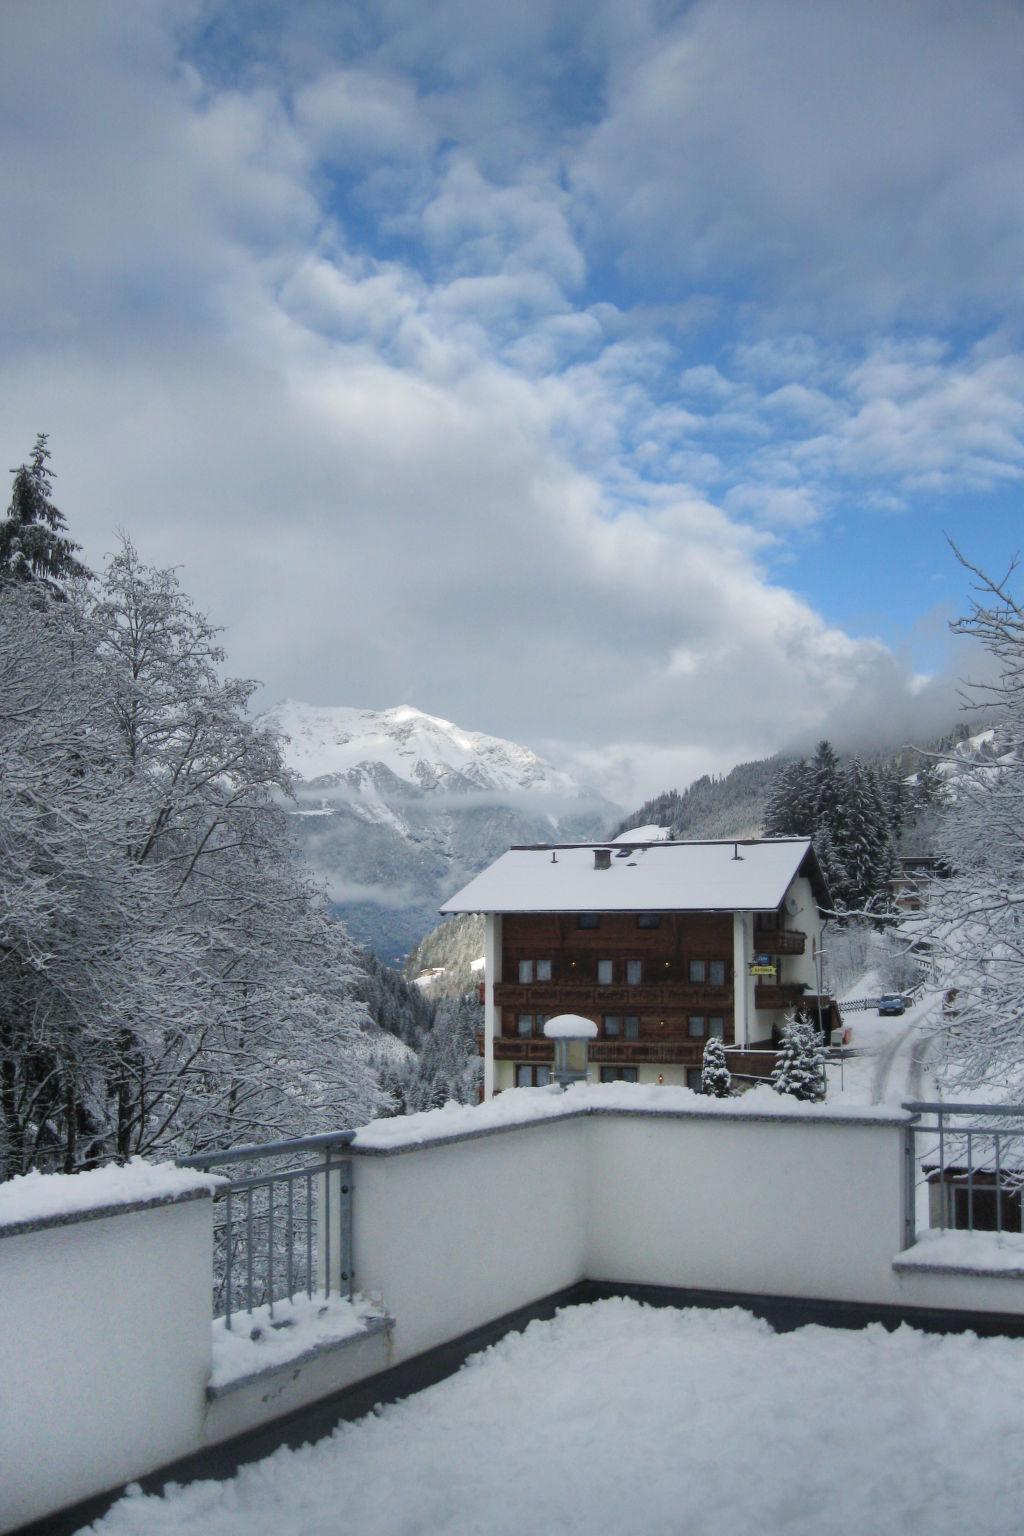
(105, 1351)
(805, 920)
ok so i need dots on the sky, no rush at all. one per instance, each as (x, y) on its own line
(609, 375)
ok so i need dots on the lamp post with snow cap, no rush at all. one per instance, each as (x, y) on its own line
(570, 1033)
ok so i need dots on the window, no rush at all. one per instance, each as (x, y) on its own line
(649, 920)
(543, 970)
(698, 971)
(542, 1019)
(534, 970)
(605, 973)
(631, 1027)
(588, 920)
(634, 972)
(716, 1028)
(620, 1074)
(532, 1077)
(525, 971)
(524, 1024)
(695, 1026)
(612, 1024)
(716, 973)
(694, 1076)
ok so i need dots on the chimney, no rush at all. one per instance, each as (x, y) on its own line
(602, 858)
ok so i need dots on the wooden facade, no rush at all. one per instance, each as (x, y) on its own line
(656, 985)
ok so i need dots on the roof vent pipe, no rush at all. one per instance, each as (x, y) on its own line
(736, 851)
(602, 858)
(554, 857)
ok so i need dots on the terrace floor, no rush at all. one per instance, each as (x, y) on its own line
(618, 1419)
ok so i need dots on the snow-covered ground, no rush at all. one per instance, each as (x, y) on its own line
(893, 1055)
(618, 1419)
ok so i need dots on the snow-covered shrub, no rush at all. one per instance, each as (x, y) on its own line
(800, 1069)
(715, 1078)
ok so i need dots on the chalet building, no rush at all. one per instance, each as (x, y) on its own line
(661, 944)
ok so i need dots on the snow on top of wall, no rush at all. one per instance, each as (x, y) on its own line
(32, 1197)
(257, 1340)
(645, 835)
(985, 1252)
(570, 1026)
(520, 1106)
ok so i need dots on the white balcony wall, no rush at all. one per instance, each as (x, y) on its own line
(105, 1351)
(457, 1234)
(811, 1208)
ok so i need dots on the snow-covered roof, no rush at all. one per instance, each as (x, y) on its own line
(748, 875)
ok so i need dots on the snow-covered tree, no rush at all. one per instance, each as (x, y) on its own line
(715, 1077)
(973, 926)
(800, 1068)
(169, 976)
(33, 544)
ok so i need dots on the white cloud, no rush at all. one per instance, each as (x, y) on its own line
(443, 475)
(867, 154)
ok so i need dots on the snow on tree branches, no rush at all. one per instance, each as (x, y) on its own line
(800, 1069)
(169, 976)
(715, 1077)
(33, 545)
(973, 925)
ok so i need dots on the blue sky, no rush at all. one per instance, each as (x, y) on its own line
(605, 375)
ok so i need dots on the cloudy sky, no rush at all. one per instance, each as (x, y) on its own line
(605, 374)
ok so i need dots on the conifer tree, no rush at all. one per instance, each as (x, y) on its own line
(800, 1069)
(33, 545)
(715, 1078)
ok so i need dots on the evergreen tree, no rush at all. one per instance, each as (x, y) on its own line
(800, 1069)
(715, 1078)
(33, 546)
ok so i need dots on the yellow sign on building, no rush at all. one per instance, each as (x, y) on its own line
(762, 970)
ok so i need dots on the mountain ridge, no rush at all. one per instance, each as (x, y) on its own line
(396, 809)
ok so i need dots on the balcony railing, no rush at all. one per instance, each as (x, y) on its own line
(275, 1228)
(965, 1167)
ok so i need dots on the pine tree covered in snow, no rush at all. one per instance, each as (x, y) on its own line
(33, 544)
(715, 1077)
(853, 817)
(800, 1069)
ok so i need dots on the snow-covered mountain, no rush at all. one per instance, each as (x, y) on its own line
(398, 808)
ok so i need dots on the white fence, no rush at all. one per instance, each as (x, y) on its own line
(105, 1351)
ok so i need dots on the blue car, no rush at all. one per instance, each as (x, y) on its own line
(891, 1006)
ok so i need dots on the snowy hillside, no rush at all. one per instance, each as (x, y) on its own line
(397, 809)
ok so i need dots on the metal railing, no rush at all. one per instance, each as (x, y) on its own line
(964, 1167)
(281, 1232)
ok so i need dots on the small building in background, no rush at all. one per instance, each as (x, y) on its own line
(661, 944)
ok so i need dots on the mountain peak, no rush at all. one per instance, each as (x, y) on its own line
(338, 741)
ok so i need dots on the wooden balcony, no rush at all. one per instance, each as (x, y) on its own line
(779, 941)
(783, 996)
(552, 997)
(632, 1052)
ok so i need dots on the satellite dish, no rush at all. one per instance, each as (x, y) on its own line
(792, 906)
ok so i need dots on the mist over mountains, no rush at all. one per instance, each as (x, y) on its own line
(397, 808)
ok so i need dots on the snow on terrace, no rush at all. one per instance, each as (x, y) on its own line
(616, 1419)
